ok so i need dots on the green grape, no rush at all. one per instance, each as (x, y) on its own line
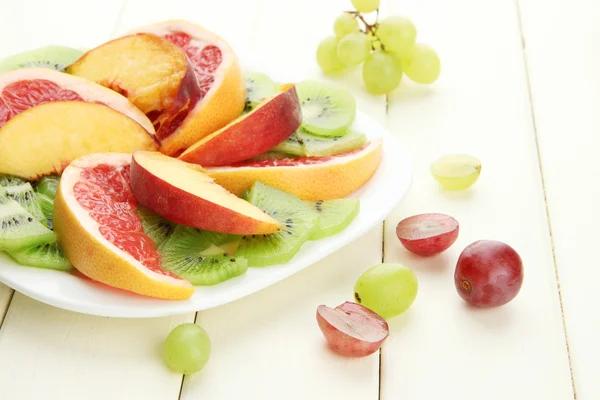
(187, 349)
(353, 48)
(456, 171)
(365, 6)
(345, 24)
(421, 64)
(327, 56)
(387, 289)
(382, 72)
(397, 34)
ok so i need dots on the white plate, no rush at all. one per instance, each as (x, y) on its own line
(378, 198)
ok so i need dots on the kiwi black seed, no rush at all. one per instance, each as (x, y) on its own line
(192, 254)
(155, 226)
(297, 219)
(258, 87)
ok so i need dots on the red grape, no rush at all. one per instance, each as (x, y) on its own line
(427, 234)
(488, 273)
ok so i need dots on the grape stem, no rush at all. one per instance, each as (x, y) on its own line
(369, 28)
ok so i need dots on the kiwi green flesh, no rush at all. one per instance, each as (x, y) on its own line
(190, 254)
(47, 206)
(48, 185)
(320, 146)
(48, 256)
(334, 216)
(298, 221)
(19, 229)
(158, 228)
(327, 109)
(258, 87)
(291, 145)
(9, 180)
(26, 197)
(51, 57)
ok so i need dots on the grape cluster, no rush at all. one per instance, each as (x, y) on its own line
(387, 49)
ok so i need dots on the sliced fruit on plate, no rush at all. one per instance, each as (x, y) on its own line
(334, 216)
(269, 123)
(258, 88)
(309, 178)
(298, 221)
(47, 137)
(222, 86)
(25, 88)
(303, 143)
(193, 255)
(153, 73)
(51, 57)
(19, 229)
(327, 109)
(25, 196)
(100, 232)
(47, 256)
(155, 226)
(181, 192)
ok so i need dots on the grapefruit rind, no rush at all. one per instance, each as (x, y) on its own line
(320, 178)
(223, 103)
(88, 90)
(94, 256)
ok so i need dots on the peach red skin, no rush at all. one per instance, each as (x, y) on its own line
(184, 208)
(488, 274)
(250, 135)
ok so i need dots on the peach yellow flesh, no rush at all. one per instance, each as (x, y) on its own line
(44, 139)
(146, 69)
(184, 194)
(322, 178)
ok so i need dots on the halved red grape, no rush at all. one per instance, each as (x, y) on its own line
(488, 273)
(427, 234)
(352, 330)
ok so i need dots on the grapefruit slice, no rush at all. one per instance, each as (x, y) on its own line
(309, 178)
(97, 226)
(24, 88)
(219, 75)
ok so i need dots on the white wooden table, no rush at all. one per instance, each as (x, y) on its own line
(520, 89)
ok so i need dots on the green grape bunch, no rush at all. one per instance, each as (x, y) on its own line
(387, 49)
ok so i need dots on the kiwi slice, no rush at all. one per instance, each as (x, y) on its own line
(48, 256)
(155, 226)
(26, 197)
(190, 254)
(273, 155)
(291, 145)
(48, 185)
(47, 206)
(50, 57)
(334, 216)
(319, 146)
(19, 229)
(327, 109)
(258, 87)
(298, 222)
(8, 180)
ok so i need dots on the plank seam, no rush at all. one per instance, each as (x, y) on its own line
(5, 308)
(547, 208)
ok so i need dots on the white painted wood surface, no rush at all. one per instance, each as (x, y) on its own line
(268, 346)
(566, 98)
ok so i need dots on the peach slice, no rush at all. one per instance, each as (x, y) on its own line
(44, 139)
(182, 193)
(219, 75)
(269, 124)
(153, 73)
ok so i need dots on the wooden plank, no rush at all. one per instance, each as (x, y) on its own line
(49, 353)
(269, 344)
(441, 348)
(566, 96)
(5, 298)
